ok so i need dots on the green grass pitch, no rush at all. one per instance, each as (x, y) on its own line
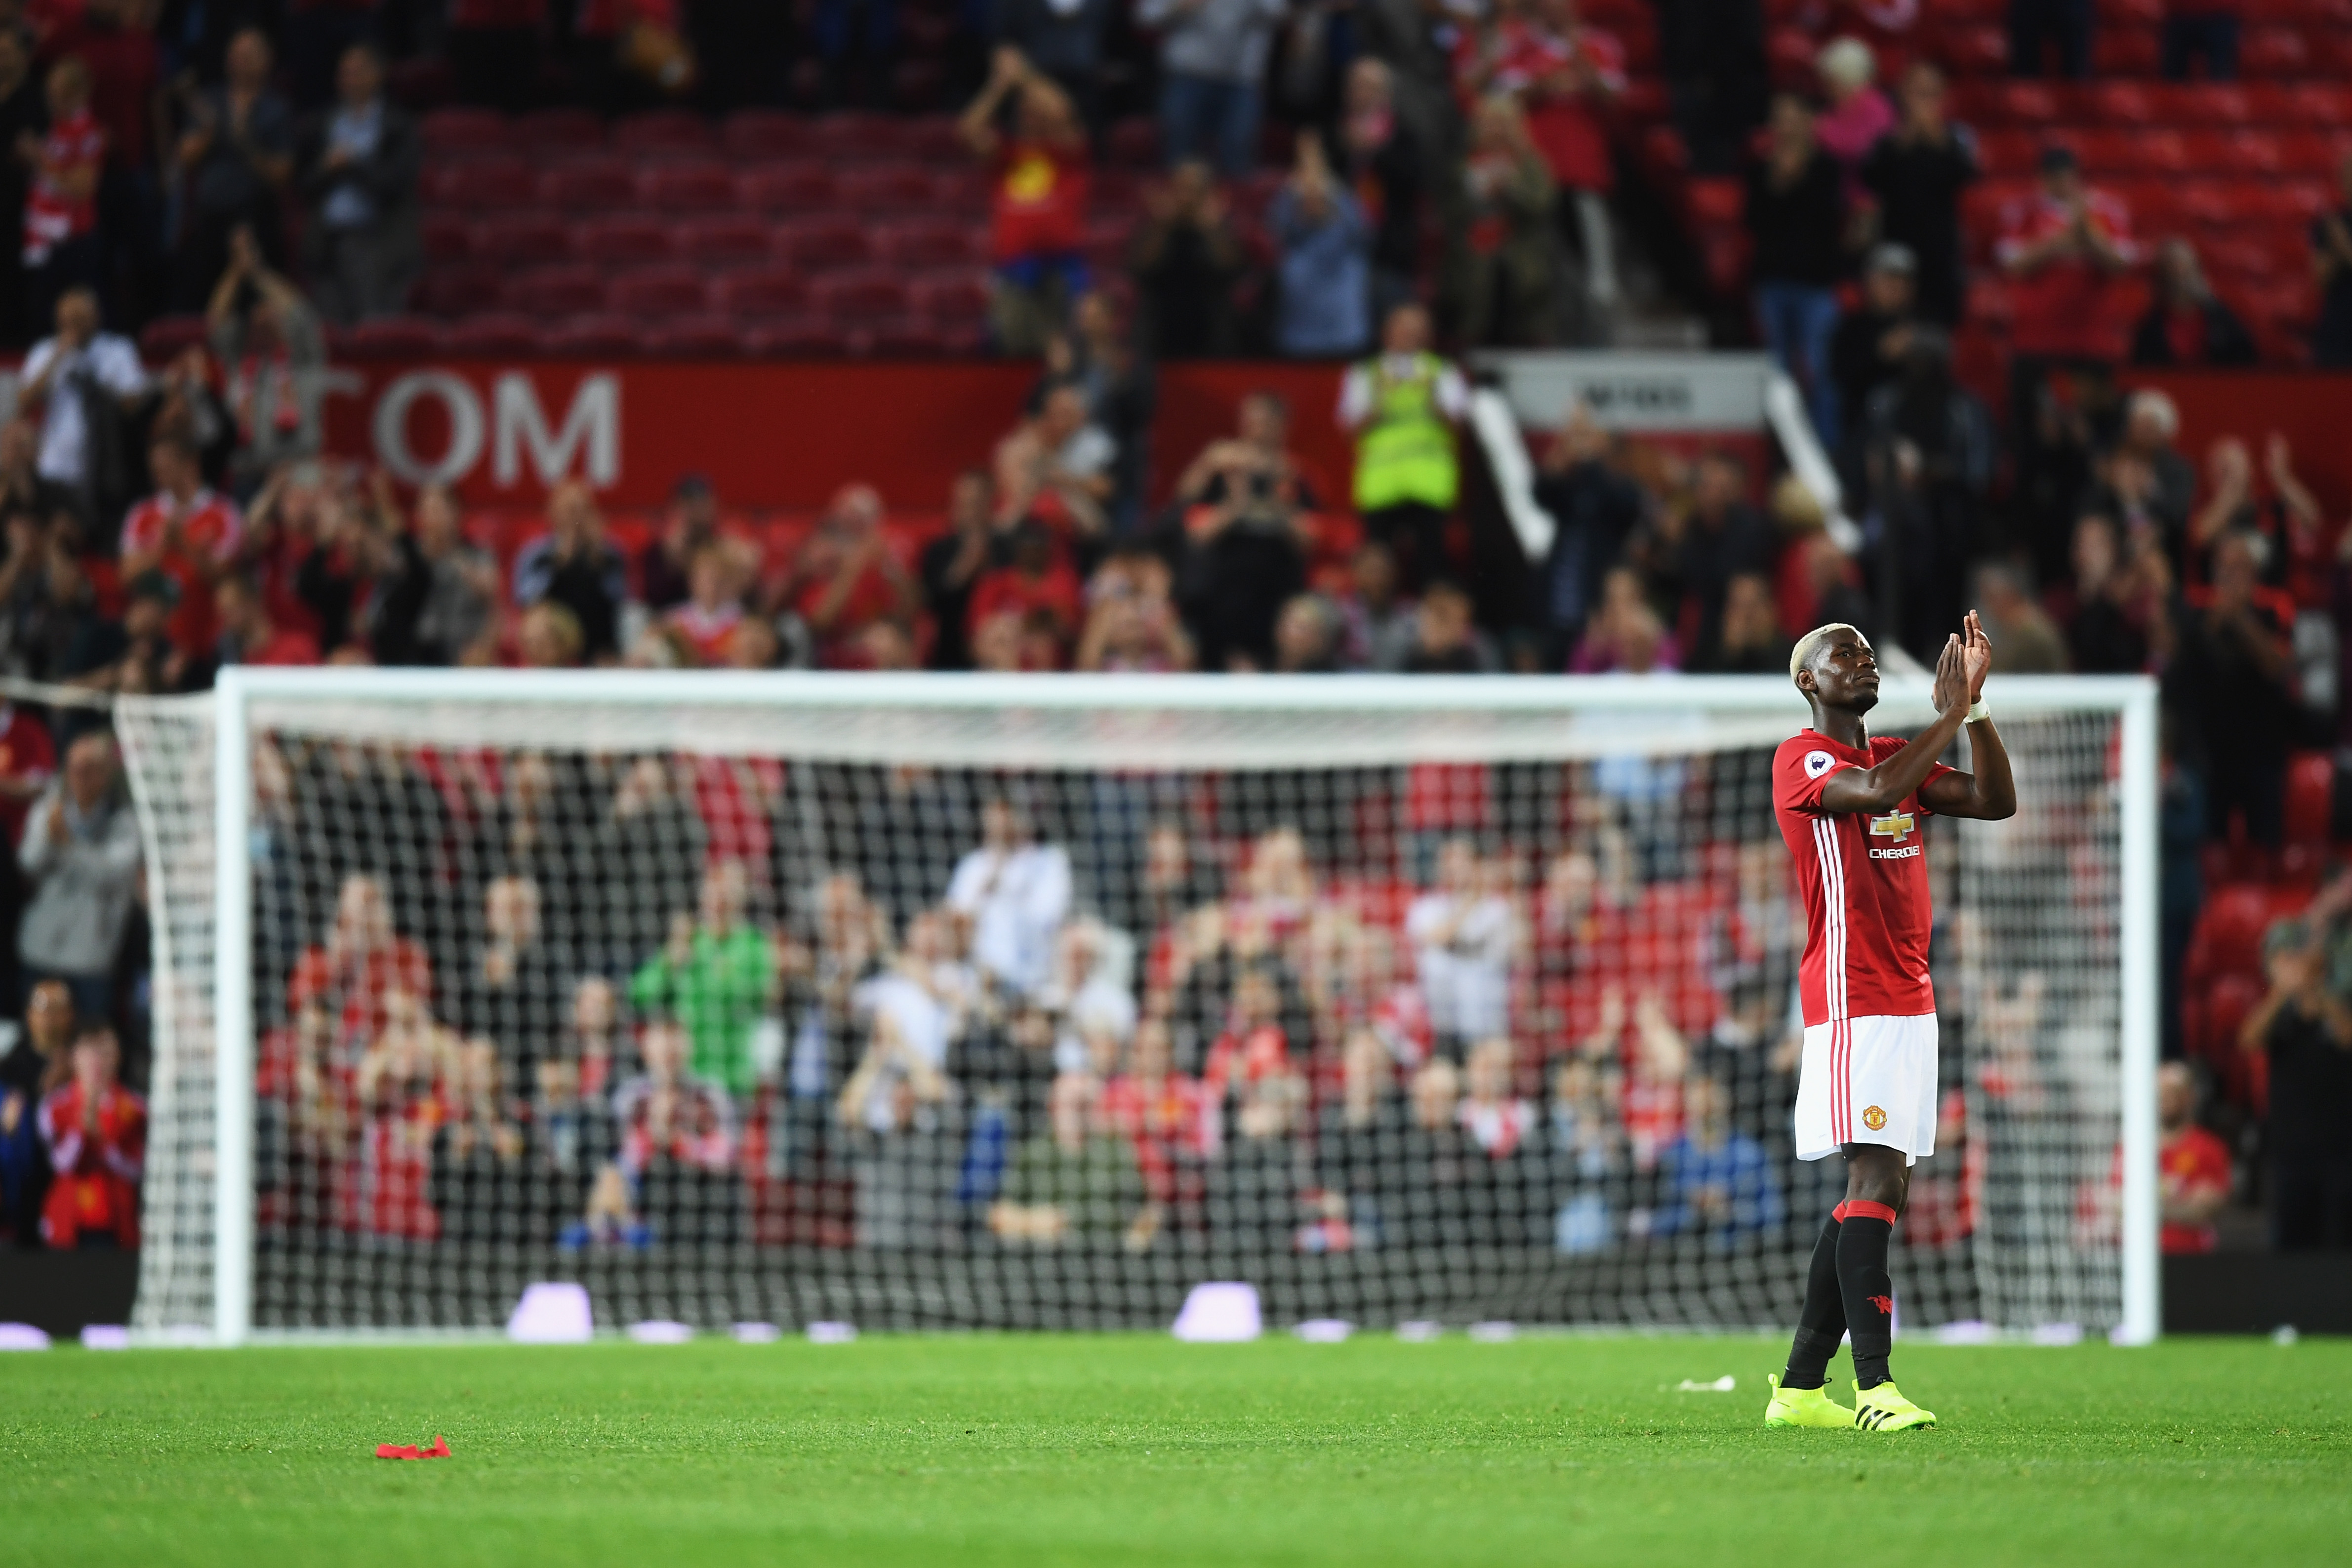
(1130, 1448)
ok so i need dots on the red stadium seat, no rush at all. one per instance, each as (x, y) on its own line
(2310, 154)
(2321, 104)
(588, 184)
(1714, 202)
(909, 339)
(759, 133)
(920, 244)
(478, 184)
(853, 137)
(2310, 797)
(687, 187)
(861, 296)
(725, 240)
(447, 236)
(947, 298)
(1134, 142)
(2030, 104)
(461, 287)
(492, 336)
(931, 138)
(801, 337)
(2230, 926)
(167, 337)
(827, 243)
(523, 238)
(700, 337)
(888, 188)
(664, 132)
(621, 239)
(650, 293)
(965, 192)
(2273, 52)
(2210, 103)
(754, 293)
(463, 131)
(2224, 1006)
(2008, 153)
(2123, 52)
(558, 130)
(2255, 153)
(2163, 152)
(1972, 51)
(600, 336)
(394, 338)
(2117, 103)
(548, 292)
(786, 190)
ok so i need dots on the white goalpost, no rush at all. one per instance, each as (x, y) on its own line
(1027, 1001)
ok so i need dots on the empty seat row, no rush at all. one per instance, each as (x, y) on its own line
(667, 133)
(2213, 152)
(651, 293)
(627, 238)
(498, 336)
(606, 182)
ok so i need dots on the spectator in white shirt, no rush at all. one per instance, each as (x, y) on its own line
(1091, 1000)
(63, 372)
(1464, 933)
(1015, 894)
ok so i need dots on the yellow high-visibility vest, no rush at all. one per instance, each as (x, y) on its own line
(1405, 452)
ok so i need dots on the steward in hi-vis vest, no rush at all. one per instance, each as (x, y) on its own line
(1402, 406)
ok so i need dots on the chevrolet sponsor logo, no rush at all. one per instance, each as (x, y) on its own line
(1895, 825)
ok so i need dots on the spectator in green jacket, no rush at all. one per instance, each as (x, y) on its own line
(714, 975)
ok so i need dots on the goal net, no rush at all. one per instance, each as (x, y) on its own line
(932, 1002)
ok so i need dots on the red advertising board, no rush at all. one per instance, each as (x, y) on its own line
(768, 436)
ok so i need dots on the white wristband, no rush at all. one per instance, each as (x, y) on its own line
(1977, 712)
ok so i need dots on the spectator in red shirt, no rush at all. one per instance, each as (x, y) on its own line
(61, 233)
(1565, 75)
(186, 532)
(360, 962)
(701, 630)
(2064, 249)
(1041, 171)
(28, 759)
(1038, 590)
(96, 1131)
(1056, 466)
(115, 39)
(2193, 1164)
(846, 577)
(247, 635)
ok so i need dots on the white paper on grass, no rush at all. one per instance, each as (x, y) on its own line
(553, 1312)
(832, 1332)
(22, 1336)
(660, 1330)
(1323, 1331)
(1222, 1312)
(756, 1334)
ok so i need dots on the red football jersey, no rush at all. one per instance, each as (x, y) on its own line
(1864, 880)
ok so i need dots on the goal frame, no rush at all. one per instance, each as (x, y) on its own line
(2132, 698)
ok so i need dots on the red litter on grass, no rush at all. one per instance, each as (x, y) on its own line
(439, 1450)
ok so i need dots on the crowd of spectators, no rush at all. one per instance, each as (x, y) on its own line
(965, 1030)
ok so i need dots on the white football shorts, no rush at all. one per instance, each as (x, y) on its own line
(1868, 1081)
